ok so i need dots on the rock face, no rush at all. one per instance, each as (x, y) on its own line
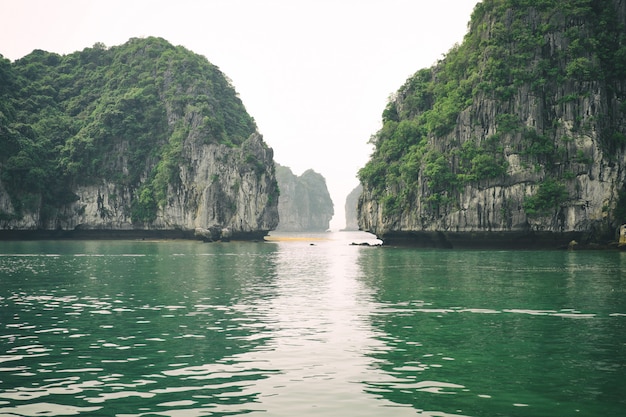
(304, 204)
(352, 201)
(218, 188)
(168, 153)
(517, 137)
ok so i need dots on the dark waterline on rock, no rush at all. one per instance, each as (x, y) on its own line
(101, 234)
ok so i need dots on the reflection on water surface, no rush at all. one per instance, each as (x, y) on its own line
(308, 325)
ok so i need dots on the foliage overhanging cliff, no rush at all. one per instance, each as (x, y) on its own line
(144, 135)
(521, 128)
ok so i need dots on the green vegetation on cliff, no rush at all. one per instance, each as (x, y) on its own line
(120, 113)
(435, 141)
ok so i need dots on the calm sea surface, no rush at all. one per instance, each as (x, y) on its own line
(311, 327)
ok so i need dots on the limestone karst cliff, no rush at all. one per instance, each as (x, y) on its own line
(517, 136)
(304, 204)
(142, 137)
(352, 201)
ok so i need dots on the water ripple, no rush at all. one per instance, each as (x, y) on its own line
(286, 328)
(46, 409)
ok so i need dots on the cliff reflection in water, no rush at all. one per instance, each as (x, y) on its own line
(96, 327)
(500, 333)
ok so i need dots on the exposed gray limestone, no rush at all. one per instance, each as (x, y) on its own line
(219, 186)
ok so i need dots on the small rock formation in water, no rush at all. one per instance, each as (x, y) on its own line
(364, 244)
(143, 138)
(304, 204)
(517, 137)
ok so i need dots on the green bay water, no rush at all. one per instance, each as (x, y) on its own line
(308, 326)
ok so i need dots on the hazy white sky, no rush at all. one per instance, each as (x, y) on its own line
(314, 74)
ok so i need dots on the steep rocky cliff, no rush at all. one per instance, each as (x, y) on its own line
(304, 204)
(135, 139)
(352, 201)
(516, 137)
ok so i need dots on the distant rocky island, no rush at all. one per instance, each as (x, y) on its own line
(304, 204)
(517, 137)
(145, 138)
(351, 213)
